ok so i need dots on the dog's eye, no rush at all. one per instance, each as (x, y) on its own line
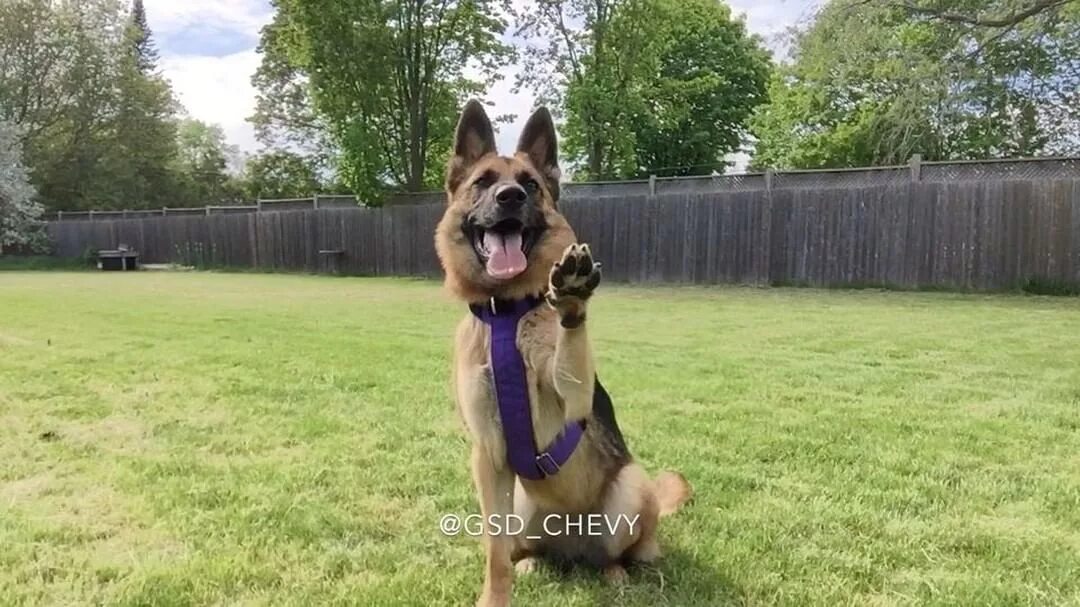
(531, 186)
(483, 182)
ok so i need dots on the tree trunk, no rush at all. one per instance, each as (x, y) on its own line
(596, 159)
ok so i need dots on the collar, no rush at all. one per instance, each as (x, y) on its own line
(502, 308)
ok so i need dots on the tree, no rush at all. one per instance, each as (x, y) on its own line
(285, 114)
(145, 125)
(978, 80)
(34, 53)
(96, 120)
(202, 166)
(645, 85)
(20, 214)
(576, 65)
(710, 77)
(281, 174)
(142, 39)
(385, 77)
(71, 160)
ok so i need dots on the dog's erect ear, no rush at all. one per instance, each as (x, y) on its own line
(540, 145)
(475, 139)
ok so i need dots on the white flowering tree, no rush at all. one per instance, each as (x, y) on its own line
(20, 214)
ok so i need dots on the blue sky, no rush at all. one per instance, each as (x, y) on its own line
(208, 53)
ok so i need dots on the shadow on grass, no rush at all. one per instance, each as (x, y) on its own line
(677, 578)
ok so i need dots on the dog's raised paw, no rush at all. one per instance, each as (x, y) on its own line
(571, 282)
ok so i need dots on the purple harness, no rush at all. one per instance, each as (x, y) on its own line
(512, 393)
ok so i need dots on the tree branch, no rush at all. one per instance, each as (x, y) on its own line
(1008, 20)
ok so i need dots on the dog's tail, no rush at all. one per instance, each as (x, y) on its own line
(672, 491)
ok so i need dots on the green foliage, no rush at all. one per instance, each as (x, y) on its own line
(645, 85)
(98, 122)
(145, 132)
(20, 214)
(142, 39)
(202, 166)
(281, 174)
(285, 116)
(904, 81)
(385, 79)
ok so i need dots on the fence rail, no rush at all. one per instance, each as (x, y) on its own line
(915, 171)
(980, 234)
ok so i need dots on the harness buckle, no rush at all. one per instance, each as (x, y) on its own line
(547, 464)
(492, 304)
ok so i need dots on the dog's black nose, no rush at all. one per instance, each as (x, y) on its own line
(511, 196)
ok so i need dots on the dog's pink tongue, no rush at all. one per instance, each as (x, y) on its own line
(505, 257)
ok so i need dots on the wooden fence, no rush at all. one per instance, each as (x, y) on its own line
(981, 235)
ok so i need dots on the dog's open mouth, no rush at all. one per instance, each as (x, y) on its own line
(504, 247)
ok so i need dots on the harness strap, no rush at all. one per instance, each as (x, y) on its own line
(512, 394)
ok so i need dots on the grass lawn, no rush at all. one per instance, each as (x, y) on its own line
(230, 439)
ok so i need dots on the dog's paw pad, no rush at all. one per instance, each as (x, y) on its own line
(576, 275)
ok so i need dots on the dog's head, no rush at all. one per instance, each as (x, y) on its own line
(502, 229)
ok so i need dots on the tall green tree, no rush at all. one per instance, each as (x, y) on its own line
(572, 62)
(967, 79)
(386, 78)
(71, 161)
(645, 85)
(142, 39)
(145, 123)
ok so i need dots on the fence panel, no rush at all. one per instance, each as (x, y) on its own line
(968, 234)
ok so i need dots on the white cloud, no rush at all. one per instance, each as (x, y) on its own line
(212, 86)
(217, 90)
(769, 19)
(169, 16)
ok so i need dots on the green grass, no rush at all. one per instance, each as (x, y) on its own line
(229, 439)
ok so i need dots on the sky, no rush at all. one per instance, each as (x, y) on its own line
(207, 50)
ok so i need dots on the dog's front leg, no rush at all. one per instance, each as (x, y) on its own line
(571, 282)
(495, 484)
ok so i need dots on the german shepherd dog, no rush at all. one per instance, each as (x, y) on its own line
(502, 239)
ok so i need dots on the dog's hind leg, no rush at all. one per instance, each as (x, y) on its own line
(631, 513)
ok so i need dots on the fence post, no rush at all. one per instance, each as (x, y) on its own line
(258, 205)
(208, 209)
(91, 214)
(164, 211)
(59, 215)
(315, 202)
(916, 167)
(652, 185)
(769, 179)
